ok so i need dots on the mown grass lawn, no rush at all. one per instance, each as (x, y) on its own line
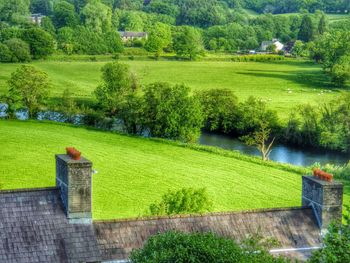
(282, 84)
(134, 172)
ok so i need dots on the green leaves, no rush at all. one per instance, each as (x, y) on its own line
(336, 245)
(171, 247)
(170, 112)
(188, 42)
(184, 201)
(28, 87)
(333, 52)
(117, 83)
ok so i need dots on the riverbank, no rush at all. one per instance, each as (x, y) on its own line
(280, 153)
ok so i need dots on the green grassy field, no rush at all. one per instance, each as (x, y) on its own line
(331, 17)
(134, 172)
(282, 84)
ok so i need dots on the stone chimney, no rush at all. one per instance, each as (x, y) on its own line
(74, 177)
(325, 198)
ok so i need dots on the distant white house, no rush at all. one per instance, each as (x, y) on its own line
(128, 35)
(36, 18)
(265, 44)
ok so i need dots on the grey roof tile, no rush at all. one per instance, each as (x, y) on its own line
(34, 229)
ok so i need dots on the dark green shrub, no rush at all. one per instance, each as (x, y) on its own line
(40, 42)
(20, 50)
(184, 201)
(257, 58)
(171, 247)
(171, 112)
(5, 53)
(336, 247)
(220, 108)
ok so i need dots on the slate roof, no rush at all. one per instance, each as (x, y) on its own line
(292, 227)
(34, 228)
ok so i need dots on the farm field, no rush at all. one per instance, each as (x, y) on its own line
(135, 172)
(283, 85)
(331, 17)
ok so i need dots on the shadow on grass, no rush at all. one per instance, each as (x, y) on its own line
(310, 78)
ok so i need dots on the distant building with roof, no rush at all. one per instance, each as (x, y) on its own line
(55, 224)
(130, 35)
(265, 44)
(288, 48)
(36, 18)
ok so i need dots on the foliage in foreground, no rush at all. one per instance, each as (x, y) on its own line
(184, 201)
(196, 247)
(336, 247)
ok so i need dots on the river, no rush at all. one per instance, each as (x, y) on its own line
(280, 153)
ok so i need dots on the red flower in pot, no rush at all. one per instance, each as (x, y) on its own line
(73, 153)
(322, 175)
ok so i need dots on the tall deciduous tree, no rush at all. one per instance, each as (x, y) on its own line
(322, 25)
(14, 10)
(28, 87)
(188, 42)
(332, 50)
(159, 38)
(307, 31)
(117, 84)
(64, 15)
(220, 108)
(170, 112)
(97, 16)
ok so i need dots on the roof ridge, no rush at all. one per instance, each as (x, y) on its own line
(21, 190)
(151, 218)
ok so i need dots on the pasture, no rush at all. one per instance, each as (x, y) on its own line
(283, 85)
(135, 172)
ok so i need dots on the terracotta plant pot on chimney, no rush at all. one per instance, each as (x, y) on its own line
(318, 173)
(73, 153)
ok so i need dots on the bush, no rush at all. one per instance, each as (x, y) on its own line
(170, 112)
(40, 42)
(19, 49)
(184, 201)
(220, 108)
(197, 247)
(257, 58)
(29, 88)
(336, 247)
(118, 82)
(251, 113)
(5, 53)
